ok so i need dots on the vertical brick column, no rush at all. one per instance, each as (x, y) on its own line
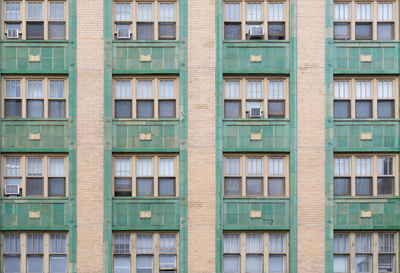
(201, 135)
(311, 136)
(90, 104)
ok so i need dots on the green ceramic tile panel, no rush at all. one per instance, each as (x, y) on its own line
(384, 57)
(236, 213)
(384, 213)
(53, 58)
(274, 136)
(274, 57)
(53, 135)
(385, 136)
(164, 135)
(126, 213)
(164, 57)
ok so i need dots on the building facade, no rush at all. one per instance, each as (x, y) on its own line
(199, 136)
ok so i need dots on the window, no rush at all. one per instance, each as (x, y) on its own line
(364, 252)
(35, 20)
(34, 252)
(255, 20)
(252, 170)
(368, 20)
(155, 20)
(35, 97)
(255, 252)
(365, 175)
(146, 97)
(35, 175)
(255, 98)
(365, 98)
(148, 252)
(145, 175)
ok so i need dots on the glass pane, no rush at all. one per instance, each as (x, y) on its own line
(145, 31)
(167, 261)
(386, 263)
(341, 243)
(363, 109)
(56, 10)
(276, 31)
(144, 186)
(167, 243)
(232, 186)
(123, 108)
(13, 108)
(144, 109)
(254, 186)
(122, 264)
(231, 264)
(57, 30)
(56, 186)
(56, 109)
(363, 186)
(231, 243)
(386, 242)
(12, 264)
(363, 31)
(232, 31)
(385, 185)
(340, 264)
(35, 108)
(167, 108)
(35, 264)
(166, 31)
(385, 31)
(254, 264)
(13, 11)
(276, 263)
(276, 109)
(123, 186)
(342, 31)
(276, 186)
(166, 187)
(341, 109)
(58, 264)
(34, 30)
(34, 186)
(58, 243)
(386, 109)
(363, 263)
(144, 264)
(145, 243)
(232, 109)
(342, 186)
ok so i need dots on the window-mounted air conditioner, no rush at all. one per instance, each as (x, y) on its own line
(255, 32)
(12, 33)
(123, 33)
(255, 113)
(12, 189)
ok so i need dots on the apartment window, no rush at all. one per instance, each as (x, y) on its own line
(146, 252)
(35, 20)
(34, 175)
(145, 175)
(255, 98)
(365, 98)
(34, 252)
(34, 97)
(146, 97)
(365, 175)
(364, 252)
(155, 20)
(255, 252)
(368, 20)
(255, 20)
(261, 175)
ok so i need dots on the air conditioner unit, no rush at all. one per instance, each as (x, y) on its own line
(123, 33)
(255, 113)
(255, 32)
(12, 190)
(12, 33)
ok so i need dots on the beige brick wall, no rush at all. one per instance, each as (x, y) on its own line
(311, 109)
(201, 132)
(90, 67)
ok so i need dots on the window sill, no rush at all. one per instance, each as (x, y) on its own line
(35, 119)
(358, 198)
(256, 119)
(146, 41)
(42, 198)
(366, 119)
(256, 41)
(366, 41)
(33, 41)
(145, 119)
(145, 198)
(249, 198)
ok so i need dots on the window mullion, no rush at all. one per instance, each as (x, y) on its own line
(156, 252)
(266, 251)
(46, 252)
(23, 241)
(242, 258)
(352, 239)
(353, 173)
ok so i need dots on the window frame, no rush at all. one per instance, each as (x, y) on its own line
(243, 83)
(155, 173)
(45, 95)
(45, 174)
(264, 17)
(374, 18)
(45, 19)
(374, 173)
(374, 96)
(156, 18)
(265, 174)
